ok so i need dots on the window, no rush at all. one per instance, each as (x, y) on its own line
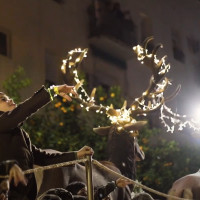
(177, 46)
(108, 57)
(4, 43)
(107, 18)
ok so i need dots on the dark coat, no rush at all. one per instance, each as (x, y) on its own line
(15, 144)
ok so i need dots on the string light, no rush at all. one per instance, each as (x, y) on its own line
(148, 102)
(181, 121)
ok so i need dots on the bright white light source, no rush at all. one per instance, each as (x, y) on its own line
(196, 114)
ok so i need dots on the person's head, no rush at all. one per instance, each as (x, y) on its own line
(77, 188)
(6, 104)
(61, 193)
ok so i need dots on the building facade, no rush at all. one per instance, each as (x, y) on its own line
(37, 34)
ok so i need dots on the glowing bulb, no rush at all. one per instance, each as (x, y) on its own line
(119, 128)
(144, 93)
(78, 59)
(62, 67)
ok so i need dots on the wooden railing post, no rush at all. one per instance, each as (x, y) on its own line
(90, 189)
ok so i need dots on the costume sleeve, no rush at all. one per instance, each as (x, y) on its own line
(12, 119)
(104, 191)
(43, 157)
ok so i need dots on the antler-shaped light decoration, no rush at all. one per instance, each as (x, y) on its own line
(124, 119)
(152, 98)
(170, 119)
(121, 118)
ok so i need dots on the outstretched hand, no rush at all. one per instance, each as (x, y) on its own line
(122, 182)
(84, 151)
(17, 175)
(64, 90)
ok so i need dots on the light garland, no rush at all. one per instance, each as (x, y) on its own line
(179, 121)
(148, 102)
(123, 115)
(169, 119)
(156, 100)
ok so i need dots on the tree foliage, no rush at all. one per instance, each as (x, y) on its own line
(165, 160)
(14, 83)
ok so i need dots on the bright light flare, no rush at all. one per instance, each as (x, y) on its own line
(196, 114)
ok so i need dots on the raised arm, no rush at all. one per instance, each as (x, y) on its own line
(10, 120)
(48, 157)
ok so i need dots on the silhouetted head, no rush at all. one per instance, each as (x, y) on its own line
(61, 193)
(77, 188)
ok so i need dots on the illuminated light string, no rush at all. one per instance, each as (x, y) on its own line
(174, 119)
(73, 66)
(87, 101)
(141, 55)
(123, 115)
(83, 53)
(179, 120)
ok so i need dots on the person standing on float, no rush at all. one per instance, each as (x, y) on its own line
(15, 143)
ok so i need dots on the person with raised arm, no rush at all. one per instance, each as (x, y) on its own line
(15, 143)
